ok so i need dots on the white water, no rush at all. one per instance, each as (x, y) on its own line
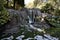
(31, 26)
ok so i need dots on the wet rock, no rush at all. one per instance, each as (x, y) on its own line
(20, 37)
(8, 38)
(38, 37)
(29, 39)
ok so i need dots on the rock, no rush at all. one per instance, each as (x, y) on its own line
(48, 36)
(45, 39)
(20, 37)
(38, 37)
(55, 38)
(29, 39)
(8, 38)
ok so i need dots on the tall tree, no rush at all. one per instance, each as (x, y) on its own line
(19, 2)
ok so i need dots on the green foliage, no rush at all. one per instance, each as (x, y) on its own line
(55, 12)
(54, 32)
(36, 2)
(52, 7)
(54, 21)
(48, 8)
(2, 2)
(4, 15)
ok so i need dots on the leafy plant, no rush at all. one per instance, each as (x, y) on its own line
(4, 15)
(48, 8)
(54, 32)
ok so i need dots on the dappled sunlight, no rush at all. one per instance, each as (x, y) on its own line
(41, 5)
(29, 3)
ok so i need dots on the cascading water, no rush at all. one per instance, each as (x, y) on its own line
(38, 37)
(31, 26)
(40, 30)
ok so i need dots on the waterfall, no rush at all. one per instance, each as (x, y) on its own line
(30, 21)
(32, 27)
(29, 25)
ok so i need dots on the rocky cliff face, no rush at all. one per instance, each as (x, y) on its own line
(19, 18)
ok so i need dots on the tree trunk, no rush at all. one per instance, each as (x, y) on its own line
(14, 4)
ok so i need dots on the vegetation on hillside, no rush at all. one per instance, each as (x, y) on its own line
(4, 15)
(52, 7)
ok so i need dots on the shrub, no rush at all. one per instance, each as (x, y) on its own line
(48, 8)
(54, 32)
(4, 15)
